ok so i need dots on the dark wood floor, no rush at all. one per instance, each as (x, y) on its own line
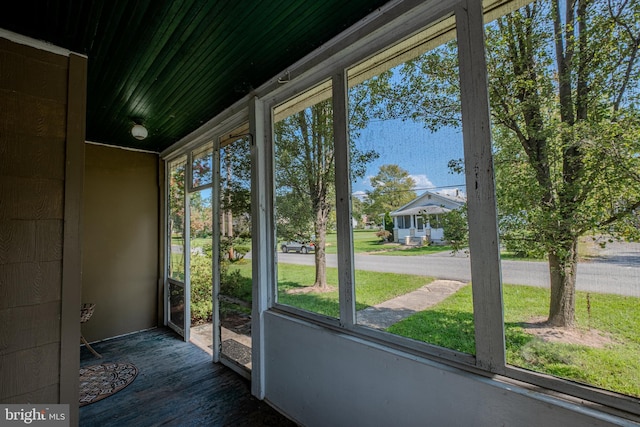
(177, 385)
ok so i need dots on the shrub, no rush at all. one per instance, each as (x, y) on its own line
(383, 235)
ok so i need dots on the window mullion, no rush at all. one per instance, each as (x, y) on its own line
(215, 248)
(481, 202)
(343, 201)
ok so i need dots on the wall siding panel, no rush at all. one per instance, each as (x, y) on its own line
(29, 283)
(31, 326)
(34, 166)
(34, 76)
(31, 198)
(46, 159)
(31, 369)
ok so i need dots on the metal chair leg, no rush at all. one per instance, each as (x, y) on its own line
(95, 353)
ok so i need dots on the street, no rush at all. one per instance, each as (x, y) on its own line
(617, 273)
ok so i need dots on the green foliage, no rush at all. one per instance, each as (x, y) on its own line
(456, 228)
(201, 283)
(565, 125)
(388, 223)
(392, 187)
(234, 282)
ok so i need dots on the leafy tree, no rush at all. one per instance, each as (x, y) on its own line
(388, 223)
(566, 130)
(392, 188)
(305, 171)
(563, 86)
(456, 228)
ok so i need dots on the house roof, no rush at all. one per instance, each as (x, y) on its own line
(422, 210)
(174, 65)
(431, 203)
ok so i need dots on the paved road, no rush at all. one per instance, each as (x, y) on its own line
(618, 273)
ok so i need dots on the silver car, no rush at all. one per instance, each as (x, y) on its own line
(303, 248)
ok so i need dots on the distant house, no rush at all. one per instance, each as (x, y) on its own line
(419, 220)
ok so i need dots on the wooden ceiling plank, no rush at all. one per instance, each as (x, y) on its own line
(182, 33)
(209, 91)
(156, 41)
(180, 78)
(209, 94)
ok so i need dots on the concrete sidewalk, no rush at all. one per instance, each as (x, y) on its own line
(385, 314)
(380, 316)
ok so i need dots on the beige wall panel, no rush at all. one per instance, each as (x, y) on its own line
(46, 158)
(30, 327)
(29, 283)
(31, 369)
(120, 241)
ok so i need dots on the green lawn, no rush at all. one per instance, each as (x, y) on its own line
(366, 241)
(371, 287)
(614, 367)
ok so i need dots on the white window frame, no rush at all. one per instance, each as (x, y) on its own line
(490, 353)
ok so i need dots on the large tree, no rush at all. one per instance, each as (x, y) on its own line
(305, 168)
(305, 171)
(392, 187)
(564, 90)
(562, 76)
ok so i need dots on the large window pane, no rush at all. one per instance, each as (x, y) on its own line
(409, 205)
(235, 251)
(201, 256)
(176, 219)
(567, 162)
(305, 201)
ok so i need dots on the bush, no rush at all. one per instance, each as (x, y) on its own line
(232, 283)
(383, 235)
(201, 280)
(388, 223)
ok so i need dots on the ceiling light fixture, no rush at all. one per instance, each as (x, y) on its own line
(139, 132)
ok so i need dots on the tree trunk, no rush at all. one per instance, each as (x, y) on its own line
(563, 263)
(320, 254)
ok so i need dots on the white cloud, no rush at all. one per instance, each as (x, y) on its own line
(422, 182)
(359, 194)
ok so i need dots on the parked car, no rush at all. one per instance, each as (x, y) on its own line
(302, 247)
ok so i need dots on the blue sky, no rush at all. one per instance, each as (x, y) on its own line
(423, 154)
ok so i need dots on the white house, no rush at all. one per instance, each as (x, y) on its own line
(419, 220)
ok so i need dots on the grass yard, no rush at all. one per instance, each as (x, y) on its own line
(371, 287)
(615, 366)
(366, 241)
(363, 241)
(420, 250)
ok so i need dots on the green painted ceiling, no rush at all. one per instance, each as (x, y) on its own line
(176, 64)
